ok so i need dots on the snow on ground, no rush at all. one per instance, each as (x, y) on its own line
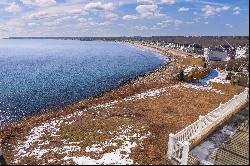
(215, 76)
(204, 83)
(120, 156)
(24, 149)
(35, 146)
(149, 93)
(106, 105)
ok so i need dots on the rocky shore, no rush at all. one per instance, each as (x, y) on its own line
(127, 125)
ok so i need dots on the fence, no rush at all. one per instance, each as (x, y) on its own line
(179, 144)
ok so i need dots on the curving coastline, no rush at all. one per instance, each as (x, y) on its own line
(154, 101)
(122, 83)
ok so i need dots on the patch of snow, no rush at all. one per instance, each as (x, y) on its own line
(106, 105)
(149, 93)
(216, 76)
(204, 83)
(24, 149)
(120, 156)
(94, 148)
(188, 70)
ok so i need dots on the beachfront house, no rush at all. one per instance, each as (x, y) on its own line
(215, 54)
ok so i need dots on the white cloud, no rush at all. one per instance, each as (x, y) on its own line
(40, 3)
(40, 15)
(229, 25)
(212, 10)
(236, 10)
(33, 24)
(148, 11)
(141, 27)
(183, 9)
(13, 8)
(174, 22)
(145, 11)
(75, 11)
(195, 13)
(52, 23)
(130, 17)
(82, 19)
(99, 6)
(166, 2)
(206, 23)
(111, 16)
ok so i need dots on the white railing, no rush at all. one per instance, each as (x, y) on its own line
(179, 143)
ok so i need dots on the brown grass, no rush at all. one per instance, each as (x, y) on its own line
(160, 115)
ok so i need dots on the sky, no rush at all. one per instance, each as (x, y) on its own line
(43, 18)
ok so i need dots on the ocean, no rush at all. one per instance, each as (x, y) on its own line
(39, 74)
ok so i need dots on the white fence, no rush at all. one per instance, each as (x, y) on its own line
(179, 143)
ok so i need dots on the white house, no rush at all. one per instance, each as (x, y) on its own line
(215, 54)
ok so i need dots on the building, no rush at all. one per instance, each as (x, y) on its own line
(215, 54)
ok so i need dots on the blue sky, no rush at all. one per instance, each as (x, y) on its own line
(123, 17)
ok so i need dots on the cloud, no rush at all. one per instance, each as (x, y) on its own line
(229, 25)
(82, 19)
(52, 23)
(40, 3)
(209, 10)
(130, 17)
(206, 23)
(40, 15)
(166, 2)
(33, 24)
(183, 9)
(174, 22)
(13, 8)
(236, 10)
(111, 16)
(75, 11)
(99, 6)
(141, 27)
(145, 11)
(148, 11)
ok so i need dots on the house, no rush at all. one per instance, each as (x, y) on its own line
(215, 54)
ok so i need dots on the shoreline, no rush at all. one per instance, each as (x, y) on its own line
(148, 105)
(122, 83)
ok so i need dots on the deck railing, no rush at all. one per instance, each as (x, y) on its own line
(179, 143)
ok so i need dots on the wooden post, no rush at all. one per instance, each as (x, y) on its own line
(170, 146)
(185, 151)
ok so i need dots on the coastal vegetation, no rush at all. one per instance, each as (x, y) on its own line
(127, 125)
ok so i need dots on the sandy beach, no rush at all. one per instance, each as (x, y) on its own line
(127, 125)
